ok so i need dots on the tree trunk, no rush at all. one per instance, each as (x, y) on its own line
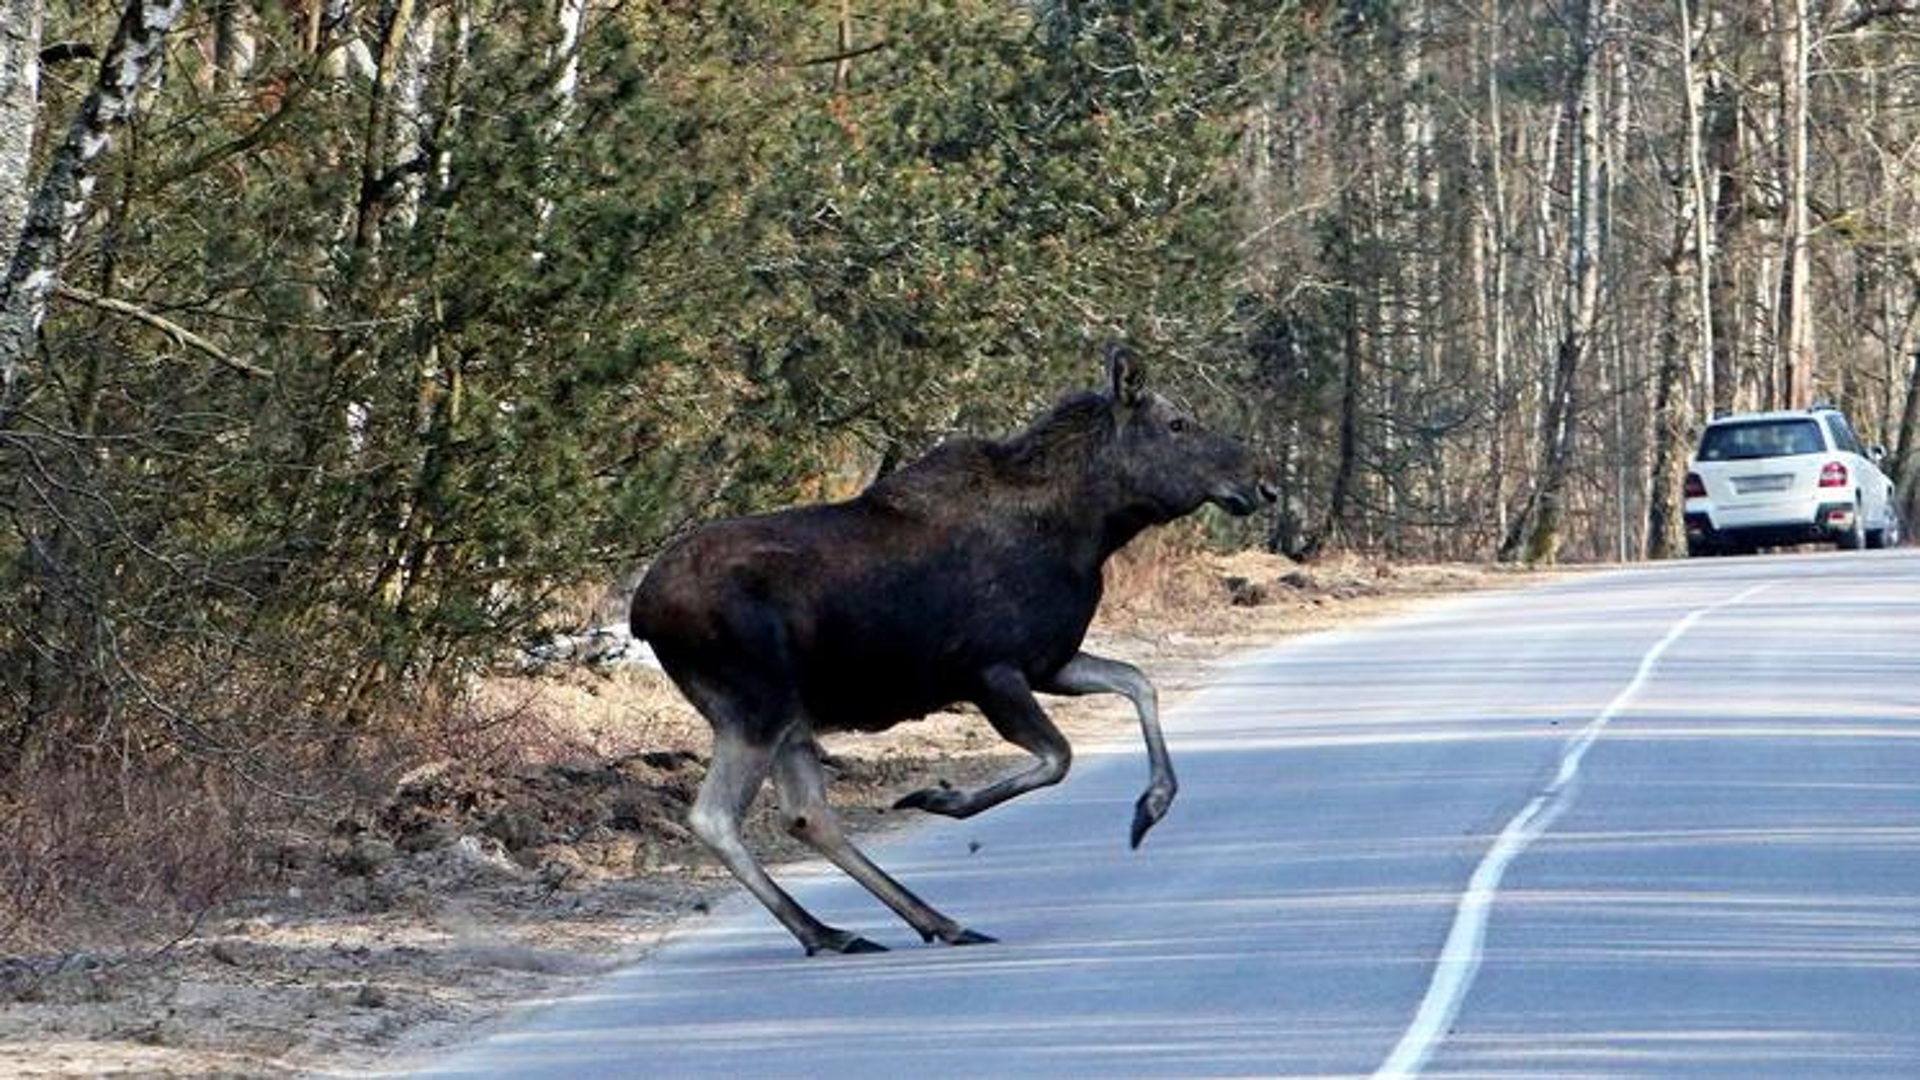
(1795, 344)
(1536, 535)
(1492, 262)
(233, 45)
(20, 26)
(383, 183)
(1672, 419)
(1692, 46)
(1721, 132)
(1347, 466)
(131, 60)
(1903, 467)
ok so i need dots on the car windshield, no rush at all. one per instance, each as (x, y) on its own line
(1760, 439)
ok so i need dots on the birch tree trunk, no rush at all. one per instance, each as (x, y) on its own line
(1795, 344)
(20, 23)
(395, 176)
(1536, 533)
(1491, 262)
(1692, 47)
(386, 184)
(132, 59)
(233, 45)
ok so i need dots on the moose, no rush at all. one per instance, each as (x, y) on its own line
(970, 575)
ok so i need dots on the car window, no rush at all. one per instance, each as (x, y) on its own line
(1843, 436)
(1760, 439)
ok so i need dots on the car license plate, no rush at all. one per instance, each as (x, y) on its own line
(1762, 485)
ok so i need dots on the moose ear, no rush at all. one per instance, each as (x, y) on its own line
(1127, 375)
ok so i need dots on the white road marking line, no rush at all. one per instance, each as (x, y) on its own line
(1460, 957)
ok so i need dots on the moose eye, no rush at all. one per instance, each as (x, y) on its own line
(1177, 425)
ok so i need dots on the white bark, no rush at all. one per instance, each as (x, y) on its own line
(1703, 243)
(572, 16)
(1537, 539)
(132, 60)
(410, 119)
(1492, 261)
(20, 26)
(1796, 315)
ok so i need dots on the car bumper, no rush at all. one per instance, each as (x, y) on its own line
(1769, 526)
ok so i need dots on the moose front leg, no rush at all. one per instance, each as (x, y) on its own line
(1090, 674)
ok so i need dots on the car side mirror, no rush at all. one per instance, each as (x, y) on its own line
(1877, 452)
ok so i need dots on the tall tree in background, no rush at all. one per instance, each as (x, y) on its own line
(1794, 340)
(1535, 535)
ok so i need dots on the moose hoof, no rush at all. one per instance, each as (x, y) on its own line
(934, 800)
(845, 943)
(959, 935)
(1148, 812)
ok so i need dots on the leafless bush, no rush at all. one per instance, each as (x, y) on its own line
(99, 856)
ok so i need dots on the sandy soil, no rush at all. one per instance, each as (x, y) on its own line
(472, 890)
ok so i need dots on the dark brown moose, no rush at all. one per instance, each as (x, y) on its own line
(967, 576)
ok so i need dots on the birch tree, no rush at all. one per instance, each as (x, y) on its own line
(20, 23)
(1535, 534)
(131, 61)
(1794, 341)
(1692, 51)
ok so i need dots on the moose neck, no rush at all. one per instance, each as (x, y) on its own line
(1083, 510)
(1114, 517)
(1075, 488)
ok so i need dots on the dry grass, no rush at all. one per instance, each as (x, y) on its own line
(1165, 576)
(573, 712)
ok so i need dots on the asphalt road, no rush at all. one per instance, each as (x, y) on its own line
(1661, 822)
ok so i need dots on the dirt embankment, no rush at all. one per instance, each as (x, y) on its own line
(473, 888)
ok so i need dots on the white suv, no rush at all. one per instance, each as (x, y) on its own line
(1761, 479)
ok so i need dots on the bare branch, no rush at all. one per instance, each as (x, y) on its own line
(172, 329)
(844, 55)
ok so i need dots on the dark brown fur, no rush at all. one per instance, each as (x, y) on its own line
(969, 575)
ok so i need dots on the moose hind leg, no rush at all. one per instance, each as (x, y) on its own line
(1008, 704)
(738, 769)
(801, 785)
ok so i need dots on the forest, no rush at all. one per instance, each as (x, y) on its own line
(348, 345)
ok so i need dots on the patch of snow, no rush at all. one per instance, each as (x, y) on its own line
(605, 646)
